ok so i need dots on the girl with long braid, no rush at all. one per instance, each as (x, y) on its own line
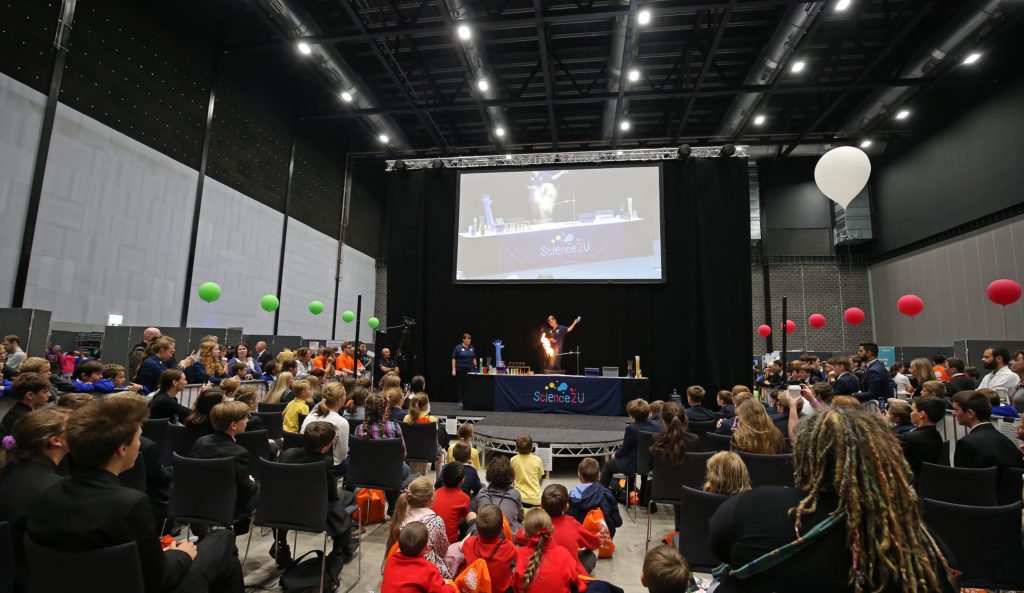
(853, 513)
(541, 566)
(377, 426)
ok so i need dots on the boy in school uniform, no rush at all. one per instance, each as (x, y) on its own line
(568, 532)
(229, 419)
(590, 494)
(407, 571)
(528, 470)
(491, 545)
(451, 503)
(471, 484)
(117, 375)
(89, 379)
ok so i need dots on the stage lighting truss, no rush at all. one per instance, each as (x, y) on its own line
(506, 446)
(564, 158)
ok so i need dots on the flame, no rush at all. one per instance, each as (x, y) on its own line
(547, 345)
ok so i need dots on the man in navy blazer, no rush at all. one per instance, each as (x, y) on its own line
(984, 446)
(846, 383)
(624, 460)
(877, 383)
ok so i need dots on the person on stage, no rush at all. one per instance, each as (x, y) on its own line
(463, 361)
(555, 335)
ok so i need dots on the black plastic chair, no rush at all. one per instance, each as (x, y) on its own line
(695, 465)
(694, 518)
(257, 443)
(701, 428)
(157, 430)
(944, 458)
(204, 491)
(716, 442)
(293, 440)
(1011, 481)
(352, 426)
(994, 565)
(377, 464)
(769, 470)
(181, 439)
(420, 442)
(666, 479)
(277, 508)
(7, 565)
(273, 422)
(264, 407)
(55, 570)
(135, 478)
(959, 485)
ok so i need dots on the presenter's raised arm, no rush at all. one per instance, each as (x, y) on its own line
(575, 321)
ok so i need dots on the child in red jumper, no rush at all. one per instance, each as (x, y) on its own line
(451, 503)
(568, 532)
(540, 566)
(490, 545)
(407, 571)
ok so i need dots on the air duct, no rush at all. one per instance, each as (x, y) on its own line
(296, 24)
(614, 73)
(932, 56)
(773, 59)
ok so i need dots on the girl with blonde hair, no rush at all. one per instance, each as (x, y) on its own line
(726, 474)
(328, 410)
(414, 505)
(419, 410)
(541, 560)
(921, 371)
(756, 433)
(281, 385)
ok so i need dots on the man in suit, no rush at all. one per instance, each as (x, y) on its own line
(262, 354)
(229, 419)
(984, 446)
(624, 460)
(958, 381)
(91, 509)
(877, 385)
(923, 443)
(846, 383)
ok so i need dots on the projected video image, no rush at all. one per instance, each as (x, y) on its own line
(561, 224)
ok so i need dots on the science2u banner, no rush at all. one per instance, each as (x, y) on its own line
(558, 395)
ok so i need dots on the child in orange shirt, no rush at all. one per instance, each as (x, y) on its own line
(490, 545)
(407, 571)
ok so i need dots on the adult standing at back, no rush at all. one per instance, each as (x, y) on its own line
(463, 362)
(263, 355)
(14, 354)
(958, 380)
(876, 384)
(1002, 380)
(984, 446)
(154, 363)
(138, 351)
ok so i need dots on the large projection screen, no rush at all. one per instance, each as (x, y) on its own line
(576, 225)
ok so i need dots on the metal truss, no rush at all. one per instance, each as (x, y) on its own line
(559, 158)
(602, 449)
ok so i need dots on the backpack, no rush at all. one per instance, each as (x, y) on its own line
(475, 578)
(595, 523)
(303, 575)
(371, 500)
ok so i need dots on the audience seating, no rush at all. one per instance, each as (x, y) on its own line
(693, 526)
(273, 422)
(1011, 482)
(701, 428)
(194, 480)
(945, 458)
(6, 558)
(377, 464)
(135, 478)
(55, 570)
(769, 470)
(716, 442)
(277, 509)
(666, 479)
(994, 565)
(267, 407)
(352, 426)
(695, 465)
(420, 442)
(292, 440)
(181, 440)
(158, 431)
(959, 485)
(257, 443)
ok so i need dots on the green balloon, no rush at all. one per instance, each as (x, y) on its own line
(209, 291)
(316, 307)
(373, 322)
(348, 316)
(270, 303)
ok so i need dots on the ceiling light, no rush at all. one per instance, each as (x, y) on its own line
(798, 66)
(304, 48)
(972, 58)
(643, 17)
(619, 153)
(483, 85)
(634, 75)
(499, 132)
(903, 114)
(624, 126)
(464, 32)
(346, 96)
(508, 157)
(843, 4)
(383, 138)
(758, 120)
(865, 143)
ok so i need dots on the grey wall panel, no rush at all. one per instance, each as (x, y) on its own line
(65, 339)
(309, 263)
(196, 335)
(116, 344)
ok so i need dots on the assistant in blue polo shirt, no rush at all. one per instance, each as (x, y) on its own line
(463, 361)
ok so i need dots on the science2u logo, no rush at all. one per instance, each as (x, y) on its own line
(559, 393)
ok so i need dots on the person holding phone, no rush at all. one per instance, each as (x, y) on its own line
(158, 356)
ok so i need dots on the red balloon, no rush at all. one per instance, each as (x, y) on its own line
(790, 326)
(764, 330)
(910, 304)
(1003, 292)
(817, 321)
(854, 316)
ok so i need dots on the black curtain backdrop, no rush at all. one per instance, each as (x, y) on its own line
(692, 329)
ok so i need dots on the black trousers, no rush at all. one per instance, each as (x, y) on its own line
(216, 568)
(460, 385)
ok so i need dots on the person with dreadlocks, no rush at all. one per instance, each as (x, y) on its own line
(541, 565)
(853, 512)
(378, 426)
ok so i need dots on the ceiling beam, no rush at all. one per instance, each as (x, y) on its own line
(545, 61)
(627, 63)
(708, 59)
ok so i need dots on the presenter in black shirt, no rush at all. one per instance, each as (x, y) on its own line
(463, 361)
(555, 335)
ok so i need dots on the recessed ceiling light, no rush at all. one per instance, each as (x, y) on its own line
(903, 114)
(384, 138)
(972, 58)
(483, 85)
(624, 125)
(758, 120)
(865, 143)
(304, 48)
(499, 132)
(634, 75)
(798, 66)
(464, 32)
(346, 96)
(643, 17)
(843, 4)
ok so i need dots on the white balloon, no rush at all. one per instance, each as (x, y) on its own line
(842, 173)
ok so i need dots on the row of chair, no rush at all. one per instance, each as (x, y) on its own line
(982, 487)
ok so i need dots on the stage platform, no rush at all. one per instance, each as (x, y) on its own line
(568, 436)
(555, 393)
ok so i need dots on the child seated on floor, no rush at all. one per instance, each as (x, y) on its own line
(529, 471)
(471, 485)
(407, 571)
(590, 494)
(451, 503)
(491, 545)
(541, 565)
(568, 532)
(465, 433)
(665, 571)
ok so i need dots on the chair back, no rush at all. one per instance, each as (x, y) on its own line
(293, 440)
(273, 422)
(7, 564)
(375, 463)
(135, 478)
(716, 442)
(302, 420)
(118, 565)
(1011, 480)
(204, 491)
(961, 526)
(701, 427)
(945, 456)
(698, 508)
(420, 441)
(695, 465)
(158, 431)
(769, 470)
(279, 484)
(352, 426)
(959, 485)
(268, 407)
(644, 462)
(257, 443)
(181, 439)
(666, 479)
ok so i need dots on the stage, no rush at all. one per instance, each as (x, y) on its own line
(553, 394)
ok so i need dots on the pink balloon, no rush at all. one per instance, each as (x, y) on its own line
(854, 316)
(1003, 292)
(910, 305)
(790, 326)
(764, 330)
(817, 321)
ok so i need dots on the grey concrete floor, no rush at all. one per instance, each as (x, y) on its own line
(623, 569)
